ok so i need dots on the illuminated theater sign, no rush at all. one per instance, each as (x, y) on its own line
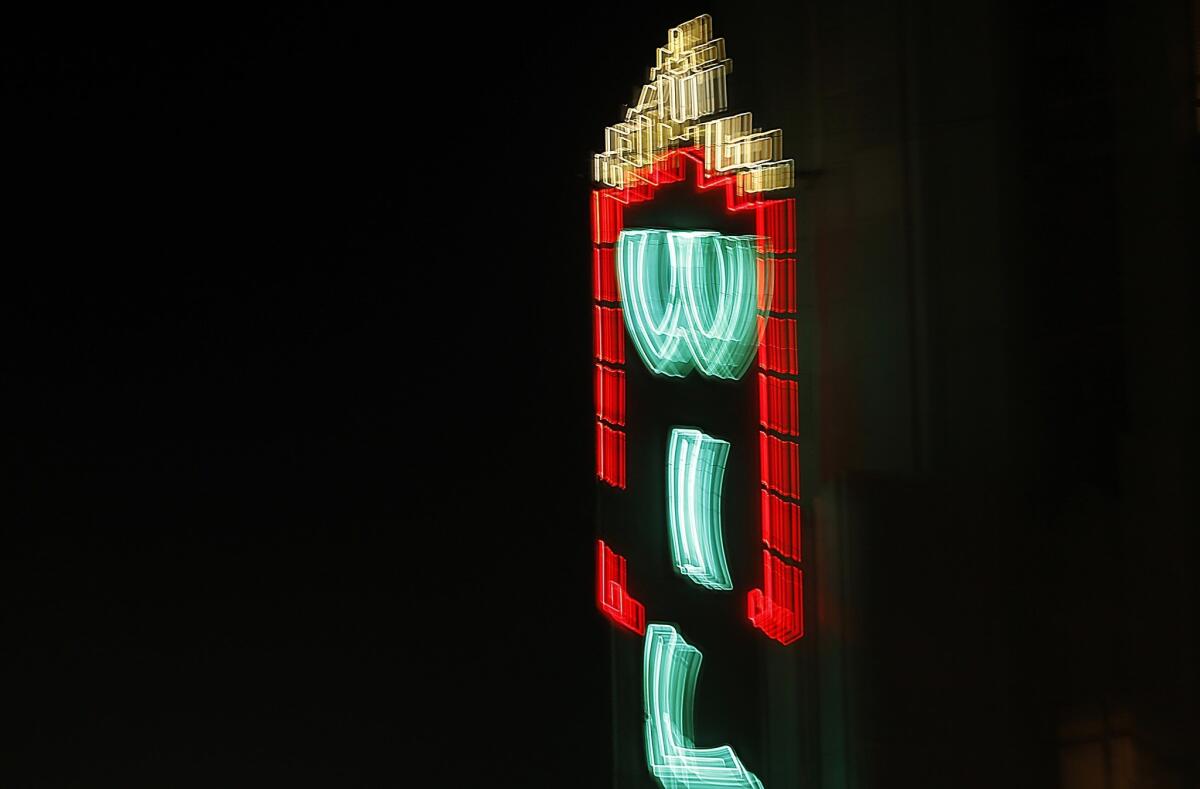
(699, 400)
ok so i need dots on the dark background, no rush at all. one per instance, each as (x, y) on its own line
(297, 439)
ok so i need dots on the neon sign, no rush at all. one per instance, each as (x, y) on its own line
(716, 302)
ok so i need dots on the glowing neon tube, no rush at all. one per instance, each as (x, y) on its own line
(692, 300)
(649, 285)
(670, 669)
(720, 296)
(612, 596)
(695, 476)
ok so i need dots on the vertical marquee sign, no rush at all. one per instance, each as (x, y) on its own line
(698, 429)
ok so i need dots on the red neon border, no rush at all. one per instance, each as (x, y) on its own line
(777, 609)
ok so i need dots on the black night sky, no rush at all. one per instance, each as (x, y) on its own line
(297, 440)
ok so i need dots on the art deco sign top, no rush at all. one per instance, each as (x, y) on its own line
(678, 106)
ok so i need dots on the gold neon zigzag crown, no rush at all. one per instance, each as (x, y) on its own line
(686, 85)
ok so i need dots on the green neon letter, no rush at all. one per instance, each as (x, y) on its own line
(669, 672)
(720, 297)
(652, 302)
(692, 299)
(695, 475)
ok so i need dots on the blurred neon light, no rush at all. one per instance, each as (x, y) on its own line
(778, 608)
(610, 394)
(671, 667)
(781, 521)
(779, 463)
(610, 454)
(695, 476)
(607, 218)
(778, 350)
(692, 300)
(721, 296)
(779, 404)
(608, 335)
(612, 597)
(687, 84)
(649, 284)
(604, 275)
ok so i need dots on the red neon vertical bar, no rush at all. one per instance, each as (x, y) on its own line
(777, 608)
(606, 213)
(793, 407)
(610, 394)
(604, 276)
(783, 294)
(781, 524)
(778, 218)
(608, 339)
(617, 331)
(608, 334)
(777, 351)
(766, 505)
(779, 406)
(597, 276)
(610, 454)
(780, 465)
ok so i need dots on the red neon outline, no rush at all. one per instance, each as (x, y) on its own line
(777, 608)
